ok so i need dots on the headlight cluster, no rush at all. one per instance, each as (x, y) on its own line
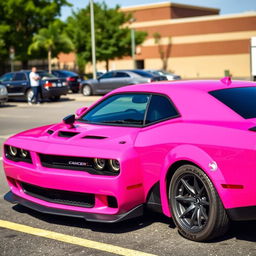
(17, 154)
(101, 164)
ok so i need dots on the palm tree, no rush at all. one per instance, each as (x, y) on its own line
(53, 40)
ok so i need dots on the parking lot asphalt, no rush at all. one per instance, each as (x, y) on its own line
(26, 232)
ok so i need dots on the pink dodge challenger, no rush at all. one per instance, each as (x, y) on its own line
(184, 148)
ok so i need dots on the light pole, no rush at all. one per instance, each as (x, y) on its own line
(133, 44)
(93, 40)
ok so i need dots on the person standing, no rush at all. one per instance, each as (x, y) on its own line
(35, 85)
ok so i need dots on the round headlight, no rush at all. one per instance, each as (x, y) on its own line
(13, 151)
(24, 153)
(114, 164)
(99, 163)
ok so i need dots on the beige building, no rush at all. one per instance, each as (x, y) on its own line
(192, 41)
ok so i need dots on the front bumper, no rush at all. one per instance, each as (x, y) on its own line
(105, 218)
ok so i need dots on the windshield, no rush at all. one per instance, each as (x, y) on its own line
(119, 109)
(242, 100)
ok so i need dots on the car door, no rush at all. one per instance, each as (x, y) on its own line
(19, 83)
(105, 82)
(121, 79)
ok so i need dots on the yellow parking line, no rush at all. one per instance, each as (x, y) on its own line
(72, 240)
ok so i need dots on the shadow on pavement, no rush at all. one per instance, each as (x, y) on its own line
(7, 105)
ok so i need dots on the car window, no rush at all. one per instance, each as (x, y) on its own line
(108, 75)
(6, 77)
(19, 77)
(160, 108)
(241, 100)
(124, 109)
(121, 74)
(143, 73)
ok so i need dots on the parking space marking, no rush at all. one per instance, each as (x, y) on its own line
(72, 240)
(5, 136)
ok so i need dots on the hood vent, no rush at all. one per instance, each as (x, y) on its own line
(50, 131)
(66, 134)
(92, 137)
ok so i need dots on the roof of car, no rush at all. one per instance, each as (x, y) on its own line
(198, 85)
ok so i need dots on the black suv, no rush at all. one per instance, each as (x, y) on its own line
(18, 85)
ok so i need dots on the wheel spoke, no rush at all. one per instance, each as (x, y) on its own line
(204, 202)
(189, 209)
(193, 218)
(203, 212)
(185, 199)
(189, 188)
(196, 186)
(199, 215)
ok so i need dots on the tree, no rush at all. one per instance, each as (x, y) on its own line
(53, 40)
(25, 18)
(164, 52)
(112, 34)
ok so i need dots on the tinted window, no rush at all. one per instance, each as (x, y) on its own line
(45, 75)
(6, 77)
(108, 75)
(121, 74)
(19, 77)
(124, 109)
(160, 108)
(64, 73)
(142, 73)
(241, 100)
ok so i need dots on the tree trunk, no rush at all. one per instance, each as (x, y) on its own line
(50, 61)
(107, 65)
(25, 64)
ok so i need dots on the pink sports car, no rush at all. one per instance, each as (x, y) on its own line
(184, 148)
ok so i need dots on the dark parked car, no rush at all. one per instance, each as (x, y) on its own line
(71, 78)
(18, 85)
(115, 79)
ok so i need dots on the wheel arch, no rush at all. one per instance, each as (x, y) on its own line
(90, 85)
(187, 154)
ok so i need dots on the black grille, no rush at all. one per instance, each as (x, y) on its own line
(59, 196)
(74, 163)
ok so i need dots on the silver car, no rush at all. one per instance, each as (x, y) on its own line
(115, 79)
(170, 76)
(3, 94)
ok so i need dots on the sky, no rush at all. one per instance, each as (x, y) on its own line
(226, 6)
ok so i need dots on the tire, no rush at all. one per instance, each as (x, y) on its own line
(195, 205)
(29, 95)
(86, 90)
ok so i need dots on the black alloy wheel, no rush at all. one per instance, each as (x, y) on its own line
(195, 205)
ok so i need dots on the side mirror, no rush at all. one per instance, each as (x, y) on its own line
(80, 111)
(69, 120)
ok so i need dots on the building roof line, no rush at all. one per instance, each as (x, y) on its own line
(166, 4)
(192, 19)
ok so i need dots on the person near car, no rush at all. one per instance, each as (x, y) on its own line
(35, 85)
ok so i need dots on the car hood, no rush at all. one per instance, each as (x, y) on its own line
(92, 140)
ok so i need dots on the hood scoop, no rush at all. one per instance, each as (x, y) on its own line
(93, 137)
(67, 134)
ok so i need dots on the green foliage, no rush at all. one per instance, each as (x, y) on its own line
(25, 18)
(112, 34)
(51, 39)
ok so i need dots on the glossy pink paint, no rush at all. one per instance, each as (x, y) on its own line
(206, 132)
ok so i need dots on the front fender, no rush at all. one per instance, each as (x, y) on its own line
(195, 155)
